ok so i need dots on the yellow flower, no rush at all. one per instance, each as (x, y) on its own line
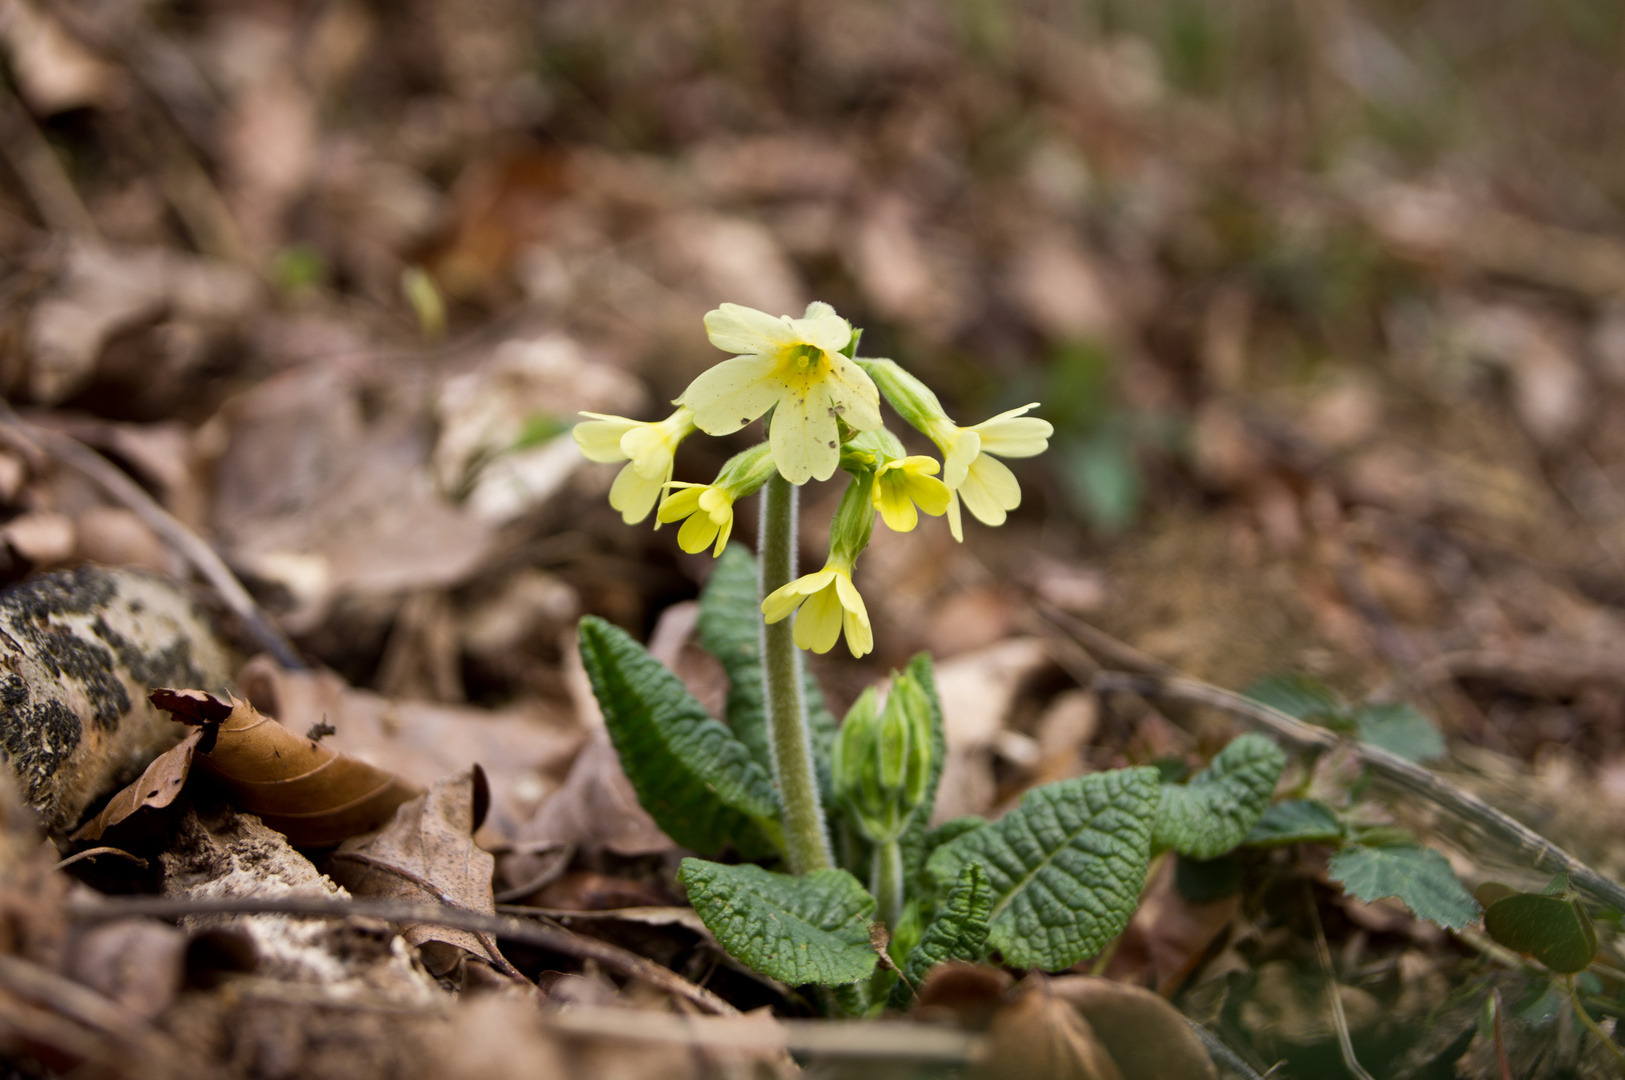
(710, 512)
(829, 603)
(648, 448)
(903, 482)
(986, 484)
(796, 368)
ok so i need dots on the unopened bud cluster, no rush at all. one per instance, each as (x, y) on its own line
(881, 767)
(822, 404)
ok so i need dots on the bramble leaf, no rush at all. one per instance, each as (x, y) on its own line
(730, 628)
(1420, 877)
(959, 932)
(1399, 729)
(808, 929)
(1219, 807)
(1296, 821)
(1300, 697)
(698, 782)
(1555, 929)
(1065, 868)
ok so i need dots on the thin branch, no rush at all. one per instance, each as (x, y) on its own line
(1220, 1051)
(42, 173)
(548, 937)
(1345, 1042)
(90, 853)
(191, 547)
(1410, 777)
(1592, 1025)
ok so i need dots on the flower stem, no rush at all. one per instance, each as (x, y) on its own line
(887, 882)
(1595, 1028)
(806, 840)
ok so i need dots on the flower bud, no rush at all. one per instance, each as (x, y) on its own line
(882, 760)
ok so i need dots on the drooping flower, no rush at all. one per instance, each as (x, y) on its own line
(709, 507)
(828, 603)
(986, 484)
(710, 513)
(648, 448)
(796, 368)
(903, 483)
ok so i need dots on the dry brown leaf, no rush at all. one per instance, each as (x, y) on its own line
(1041, 1037)
(307, 791)
(1147, 1037)
(156, 787)
(428, 853)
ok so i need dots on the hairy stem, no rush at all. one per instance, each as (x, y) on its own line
(806, 840)
(887, 882)
(1592, 1025)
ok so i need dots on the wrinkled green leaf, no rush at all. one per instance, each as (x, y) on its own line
(1420, 877)
(698, 782)
(959, 932)
(808, 929)
(1219, 807)
(730, 628)
(1300, 697)
(1066, 867)
(1399, 729)
(1296, 821)
(1556, 930)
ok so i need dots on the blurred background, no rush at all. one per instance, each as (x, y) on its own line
(1325, 299)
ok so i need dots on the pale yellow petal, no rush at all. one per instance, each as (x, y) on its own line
(860, 636)
(680, 504)
(896, 510)
(957, 456)
(722, 536)
(738, 329)
(697, 534)
(600, 437)
(818, 623)
(783, 600)
(650, 449)
(853, 393)
(804, 438)
(929, 493)
(990, 490)
(954, 525)
(634, 495)
(823, 328)
(1010, 434)
(733, 393)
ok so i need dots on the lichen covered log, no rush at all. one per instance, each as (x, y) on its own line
(79, 649)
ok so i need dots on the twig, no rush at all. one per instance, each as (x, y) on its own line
(1592, 1025)
(417, 881)
(90, 853)
(76, 455)
(556, 939)
(1220, 1051)
(1544, 855)
(1500, 1037)
(851, 1039)
(41, 172)
(1345, 1042)
(84, 1008)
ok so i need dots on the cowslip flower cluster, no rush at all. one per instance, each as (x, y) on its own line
(820, 403)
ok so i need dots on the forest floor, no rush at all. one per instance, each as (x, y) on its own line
(1326, 306)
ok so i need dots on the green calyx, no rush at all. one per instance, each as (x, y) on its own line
(854, 521)
(913, 400)
(745, 472)
(882, 760)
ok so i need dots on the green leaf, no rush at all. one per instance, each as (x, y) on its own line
(730, 628)
(808, 929)
(1399, 729)
(959, 932)
(698, 782)
(1219, 807)
(1420, 877)
(1555, 930)
(1296, 821)
(913, 839)
(1300, 697)
(1066, 867)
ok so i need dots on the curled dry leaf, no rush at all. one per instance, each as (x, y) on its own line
(156, 787)
(428, 853)
(1038, 1036)
(308, 792)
